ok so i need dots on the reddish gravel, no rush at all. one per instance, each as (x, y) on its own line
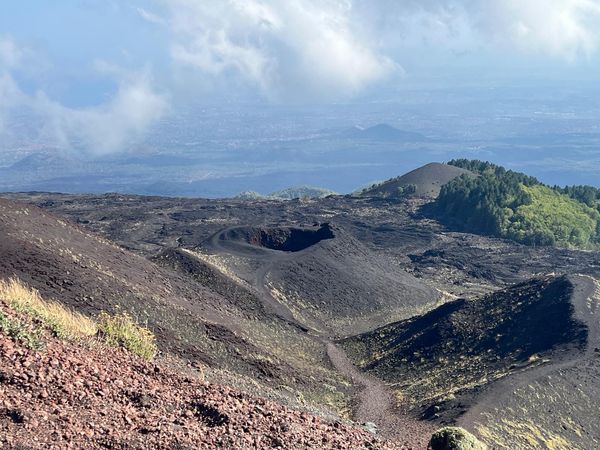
(73, 397)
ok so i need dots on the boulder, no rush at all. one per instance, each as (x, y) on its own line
(454, 438)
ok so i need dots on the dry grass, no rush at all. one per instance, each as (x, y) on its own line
(122, 329)
(115, 330)
(64, 322)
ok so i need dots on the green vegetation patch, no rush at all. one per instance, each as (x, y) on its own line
(21, 331)
(384, 190)
(64, 322)
(516, 206)
(552, 218)
(122, 330)
(115, 330)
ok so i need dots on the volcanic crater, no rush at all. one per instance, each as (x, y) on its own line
(286, 239)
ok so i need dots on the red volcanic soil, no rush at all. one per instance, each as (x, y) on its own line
(70, 396)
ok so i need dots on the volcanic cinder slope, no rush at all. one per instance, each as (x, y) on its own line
(327, 279)
(205, 324)
(283, 287)
(73, 396)
(427, 180)
(512, 354)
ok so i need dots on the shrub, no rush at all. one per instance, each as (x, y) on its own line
(19, 330)
(122, 329)
(114, 330)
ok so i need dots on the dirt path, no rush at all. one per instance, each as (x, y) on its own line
(377, 404)
(374, 401)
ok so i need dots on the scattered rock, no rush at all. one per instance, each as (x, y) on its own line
(370, 427)
(82, 397)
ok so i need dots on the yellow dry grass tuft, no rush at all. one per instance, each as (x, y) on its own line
(115, 330)
(121, 329)
(64, 322)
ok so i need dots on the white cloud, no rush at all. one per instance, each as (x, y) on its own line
(567, 29)
(149, 16)
(108, 127)
(10, 54)
(10, 94)
(564, 28)
(333, 48)
(103, 128)
(291, 48)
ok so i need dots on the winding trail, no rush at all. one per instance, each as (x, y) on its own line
(374, 400)
(377, 404)
(584, 288)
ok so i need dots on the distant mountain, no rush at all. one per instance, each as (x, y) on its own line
(425, 181)
(290, 193)
(44, 161)
(302, 192)
(383, 132)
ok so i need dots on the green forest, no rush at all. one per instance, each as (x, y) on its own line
(509, 204)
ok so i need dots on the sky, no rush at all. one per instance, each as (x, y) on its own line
(100, 74)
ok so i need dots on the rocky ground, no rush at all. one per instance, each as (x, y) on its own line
(71, 396)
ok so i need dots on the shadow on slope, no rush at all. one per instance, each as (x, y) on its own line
(287, 239)
(465, 345)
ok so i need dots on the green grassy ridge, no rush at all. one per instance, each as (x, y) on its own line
(516, 206)
(555, 219)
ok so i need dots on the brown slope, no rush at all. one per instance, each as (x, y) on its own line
(91, 274)
(69, 396)
(190, 320)
(427, 179)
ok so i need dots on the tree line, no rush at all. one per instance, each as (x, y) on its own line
(509, 204)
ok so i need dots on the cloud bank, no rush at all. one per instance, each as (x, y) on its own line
(566, 29)
(292, 50)
(285, 48)
(101, 129)
(338, 48)
(109, 127)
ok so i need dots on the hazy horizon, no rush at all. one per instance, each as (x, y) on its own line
(179, 97)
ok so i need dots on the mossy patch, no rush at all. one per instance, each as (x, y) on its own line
(454, 438)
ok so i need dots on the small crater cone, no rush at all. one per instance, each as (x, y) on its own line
(454, 438)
